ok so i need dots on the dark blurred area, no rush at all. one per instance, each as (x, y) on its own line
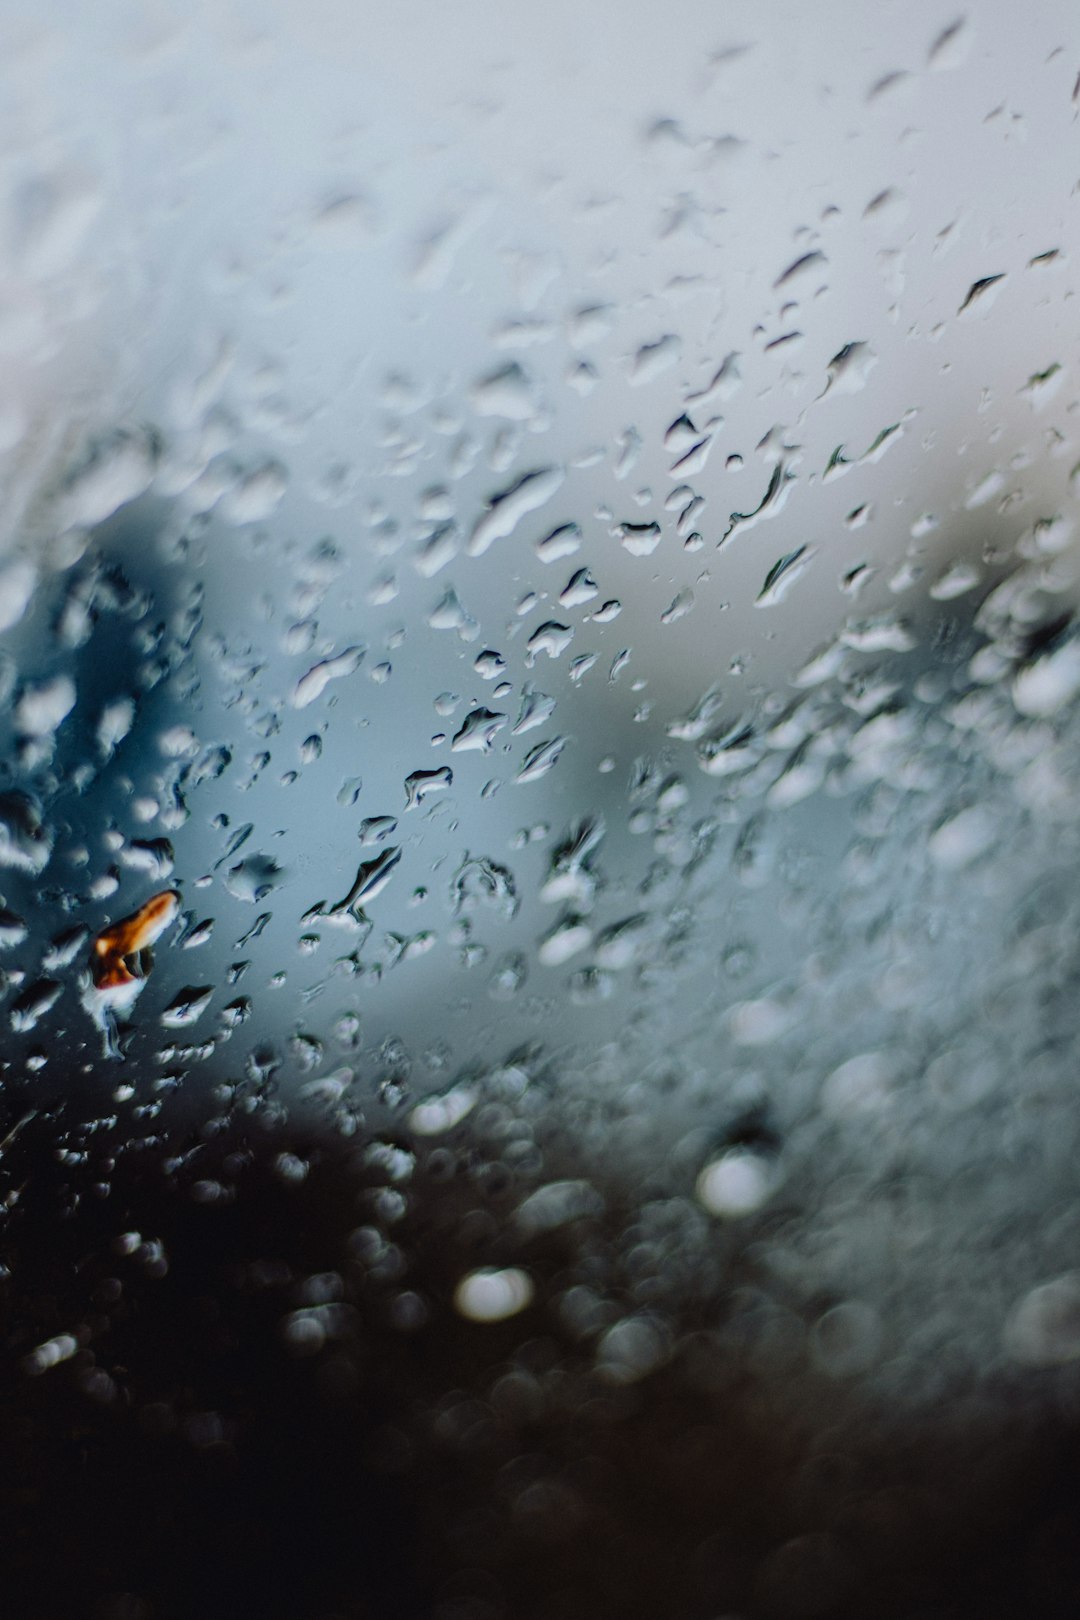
(189, 1458)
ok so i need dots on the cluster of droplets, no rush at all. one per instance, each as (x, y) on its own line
(712, 973)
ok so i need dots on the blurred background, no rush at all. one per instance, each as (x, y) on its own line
(553, 536)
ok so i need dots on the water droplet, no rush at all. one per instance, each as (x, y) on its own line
(782, 575)
(962, 839)
(1042, 386)
(849, 370)
(639, 539)
(692, 461)
(17, 582)
(337, 224)
(41, 707)
(802, 266)
(981, 294)
(803, 774)
(561, 542)
(567, 939)
(448, 614)
(859, 1088)
(256, 495)
(653, 359)
(581, 587)
(481, 881)
(187, 1005)
(506, 509)
(882, 633)
(846, 1340)
(556, 1204)
(539, 760)
(489, 664)
(154, 857)
(735, 750)
(437, 1115)
(50, 1354)
(13, 929)
(254, 878)
(950, 48)
(376, 829)
(312, 685)
(631, 1350)
(678, 607)
(371, 878)
(440, 548)
(956, 581)
(770, 504)
(24, 842)
(506, 392)
(438, 252)
(478, 730)
(490, 1295)
(621, 943)
(1043, 687)
(117, 471)
(33, 1003)
(737, 1183)
(1043, 1330)
(421, 783)
(882, 443)
(536, 707)
(550, 638)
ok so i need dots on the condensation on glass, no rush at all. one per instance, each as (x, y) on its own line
(537, 588)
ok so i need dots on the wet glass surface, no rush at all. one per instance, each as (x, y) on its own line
(538, 926)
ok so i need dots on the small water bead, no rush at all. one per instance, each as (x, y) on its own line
(1043, 1329)
(493, 1295)
(551, 639)
(561, 542)
(540, 760)
(580, 588)
(738, 1183)
(489, 665)
(422, 783)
